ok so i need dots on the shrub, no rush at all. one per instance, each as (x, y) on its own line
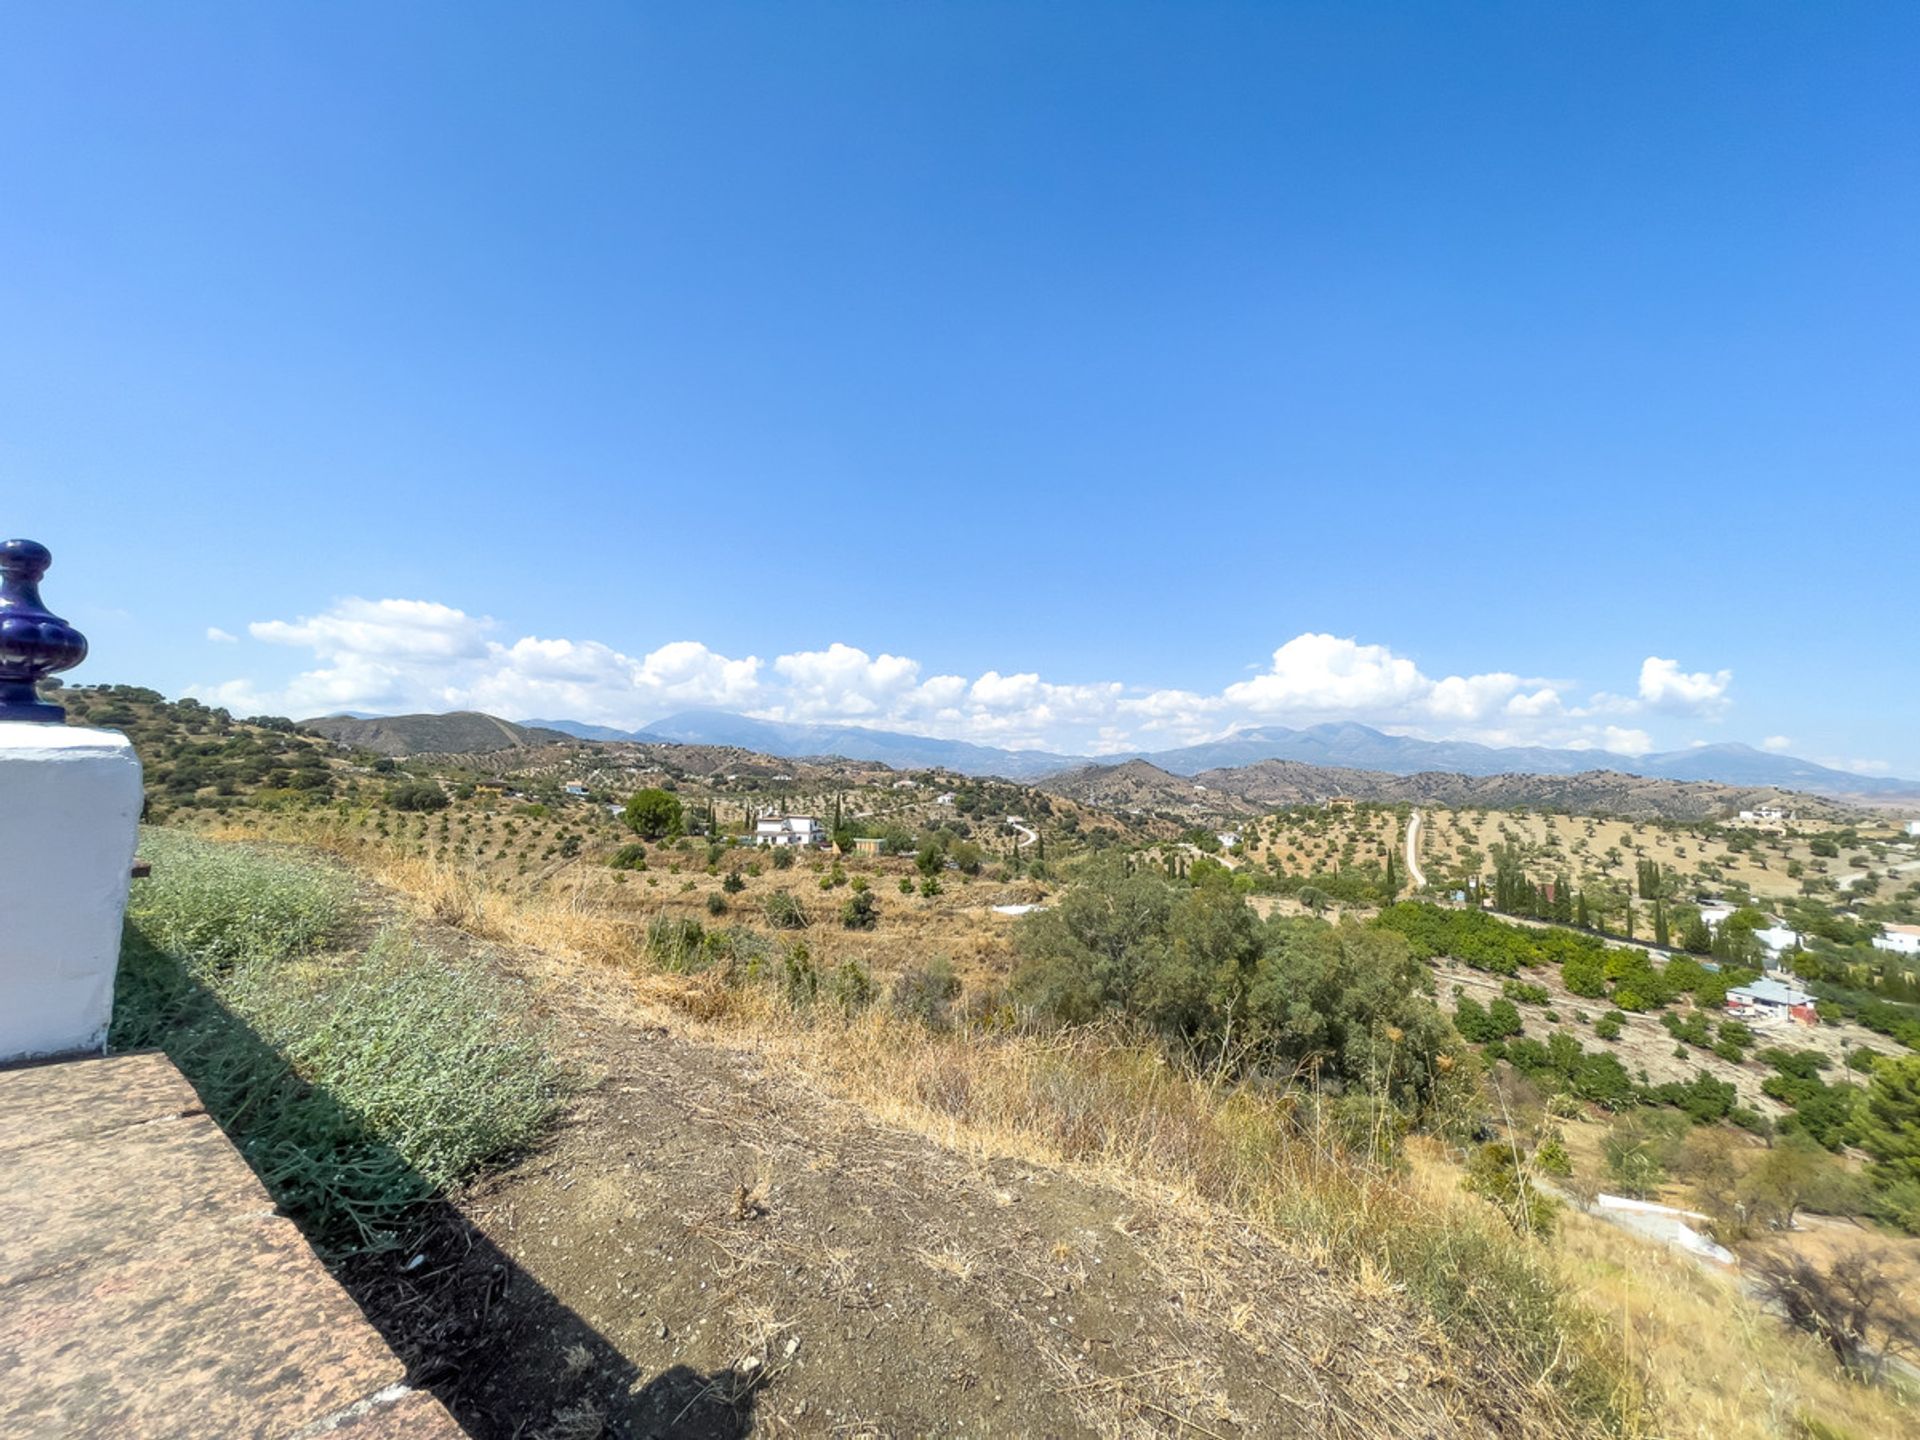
(1609, 1025)
(631, 856)
(676, 944)
(799, 978)
(860, 912)
(928, 992)
(417, 795)
(716, 904)
(850, 987)
(733, 884)
(784, 911)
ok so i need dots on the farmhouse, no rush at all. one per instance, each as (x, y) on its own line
(867, 845)
(1765, 815)
(783, 830)
(1900, 939)
(1772, 1000)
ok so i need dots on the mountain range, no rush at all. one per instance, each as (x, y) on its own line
(1344, 745)
(1340, 745)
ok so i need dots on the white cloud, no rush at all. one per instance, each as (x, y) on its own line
(1325, 672)
(403, 655)
(221, 637)
(1625, 742)
(1665, 686)
(1776, 743)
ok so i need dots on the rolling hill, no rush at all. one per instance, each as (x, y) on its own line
(1228, 791)
(463, 732)
(1337, 746)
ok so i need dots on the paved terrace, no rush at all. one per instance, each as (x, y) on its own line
(148, 1287)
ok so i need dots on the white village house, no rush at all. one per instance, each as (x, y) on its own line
(1900, 939)
(784, 830)
(1772, 1000)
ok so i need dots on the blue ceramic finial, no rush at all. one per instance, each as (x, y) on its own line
(33, 643)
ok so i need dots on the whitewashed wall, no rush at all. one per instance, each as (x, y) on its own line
(69, 816)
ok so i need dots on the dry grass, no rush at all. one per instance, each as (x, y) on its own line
(1725, 1370)
(1204, 1160)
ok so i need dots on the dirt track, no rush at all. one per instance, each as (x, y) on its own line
(710, 1246)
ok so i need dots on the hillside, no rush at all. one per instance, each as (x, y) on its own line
(463, 732)
(1269, 784)
(1359, 747)
(1337, 745)
(199, 755)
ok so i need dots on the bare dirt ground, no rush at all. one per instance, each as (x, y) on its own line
(707, 1245)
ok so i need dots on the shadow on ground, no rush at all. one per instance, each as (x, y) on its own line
(499, 1350)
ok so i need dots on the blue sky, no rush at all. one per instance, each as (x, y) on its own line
(1046, 374)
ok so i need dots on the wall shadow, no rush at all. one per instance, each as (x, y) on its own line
(508, 1358)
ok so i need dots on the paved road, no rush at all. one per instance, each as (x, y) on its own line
(1027, 834)
(1414, 872)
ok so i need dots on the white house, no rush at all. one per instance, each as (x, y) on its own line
(1712, 915)
(1227, 838)
(1772, 1000)
(1766, 815)
(1913, 827)
(789, 830)
(576, 789)
(1778, 939)
(1900, 939)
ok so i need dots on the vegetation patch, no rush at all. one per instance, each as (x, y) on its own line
(356, 1084)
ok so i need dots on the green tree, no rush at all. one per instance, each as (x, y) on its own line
(654, 814)
(1890, 1121)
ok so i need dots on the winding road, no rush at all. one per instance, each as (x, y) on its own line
(1414, 872)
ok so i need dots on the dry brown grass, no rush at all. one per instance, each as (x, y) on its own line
(1204, 1160)
(1724, 1369)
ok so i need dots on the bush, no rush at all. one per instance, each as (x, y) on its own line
(676, 944)
(860, 912)
(784, 911)
(851, 987)
(418, 795)
(716, 904)
(927, 993)
(630, 857)
(1609, 1025)
(799, 979)
(733, 884)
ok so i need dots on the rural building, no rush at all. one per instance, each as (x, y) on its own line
(1900, 939)
(783, 830)
(1340, 802)
(1772, 1000)
(576, 789)
(1766, 815)
(1712, 915)
(1227, 838)
(866, 845)
(1913, 827)
(1778, 939)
